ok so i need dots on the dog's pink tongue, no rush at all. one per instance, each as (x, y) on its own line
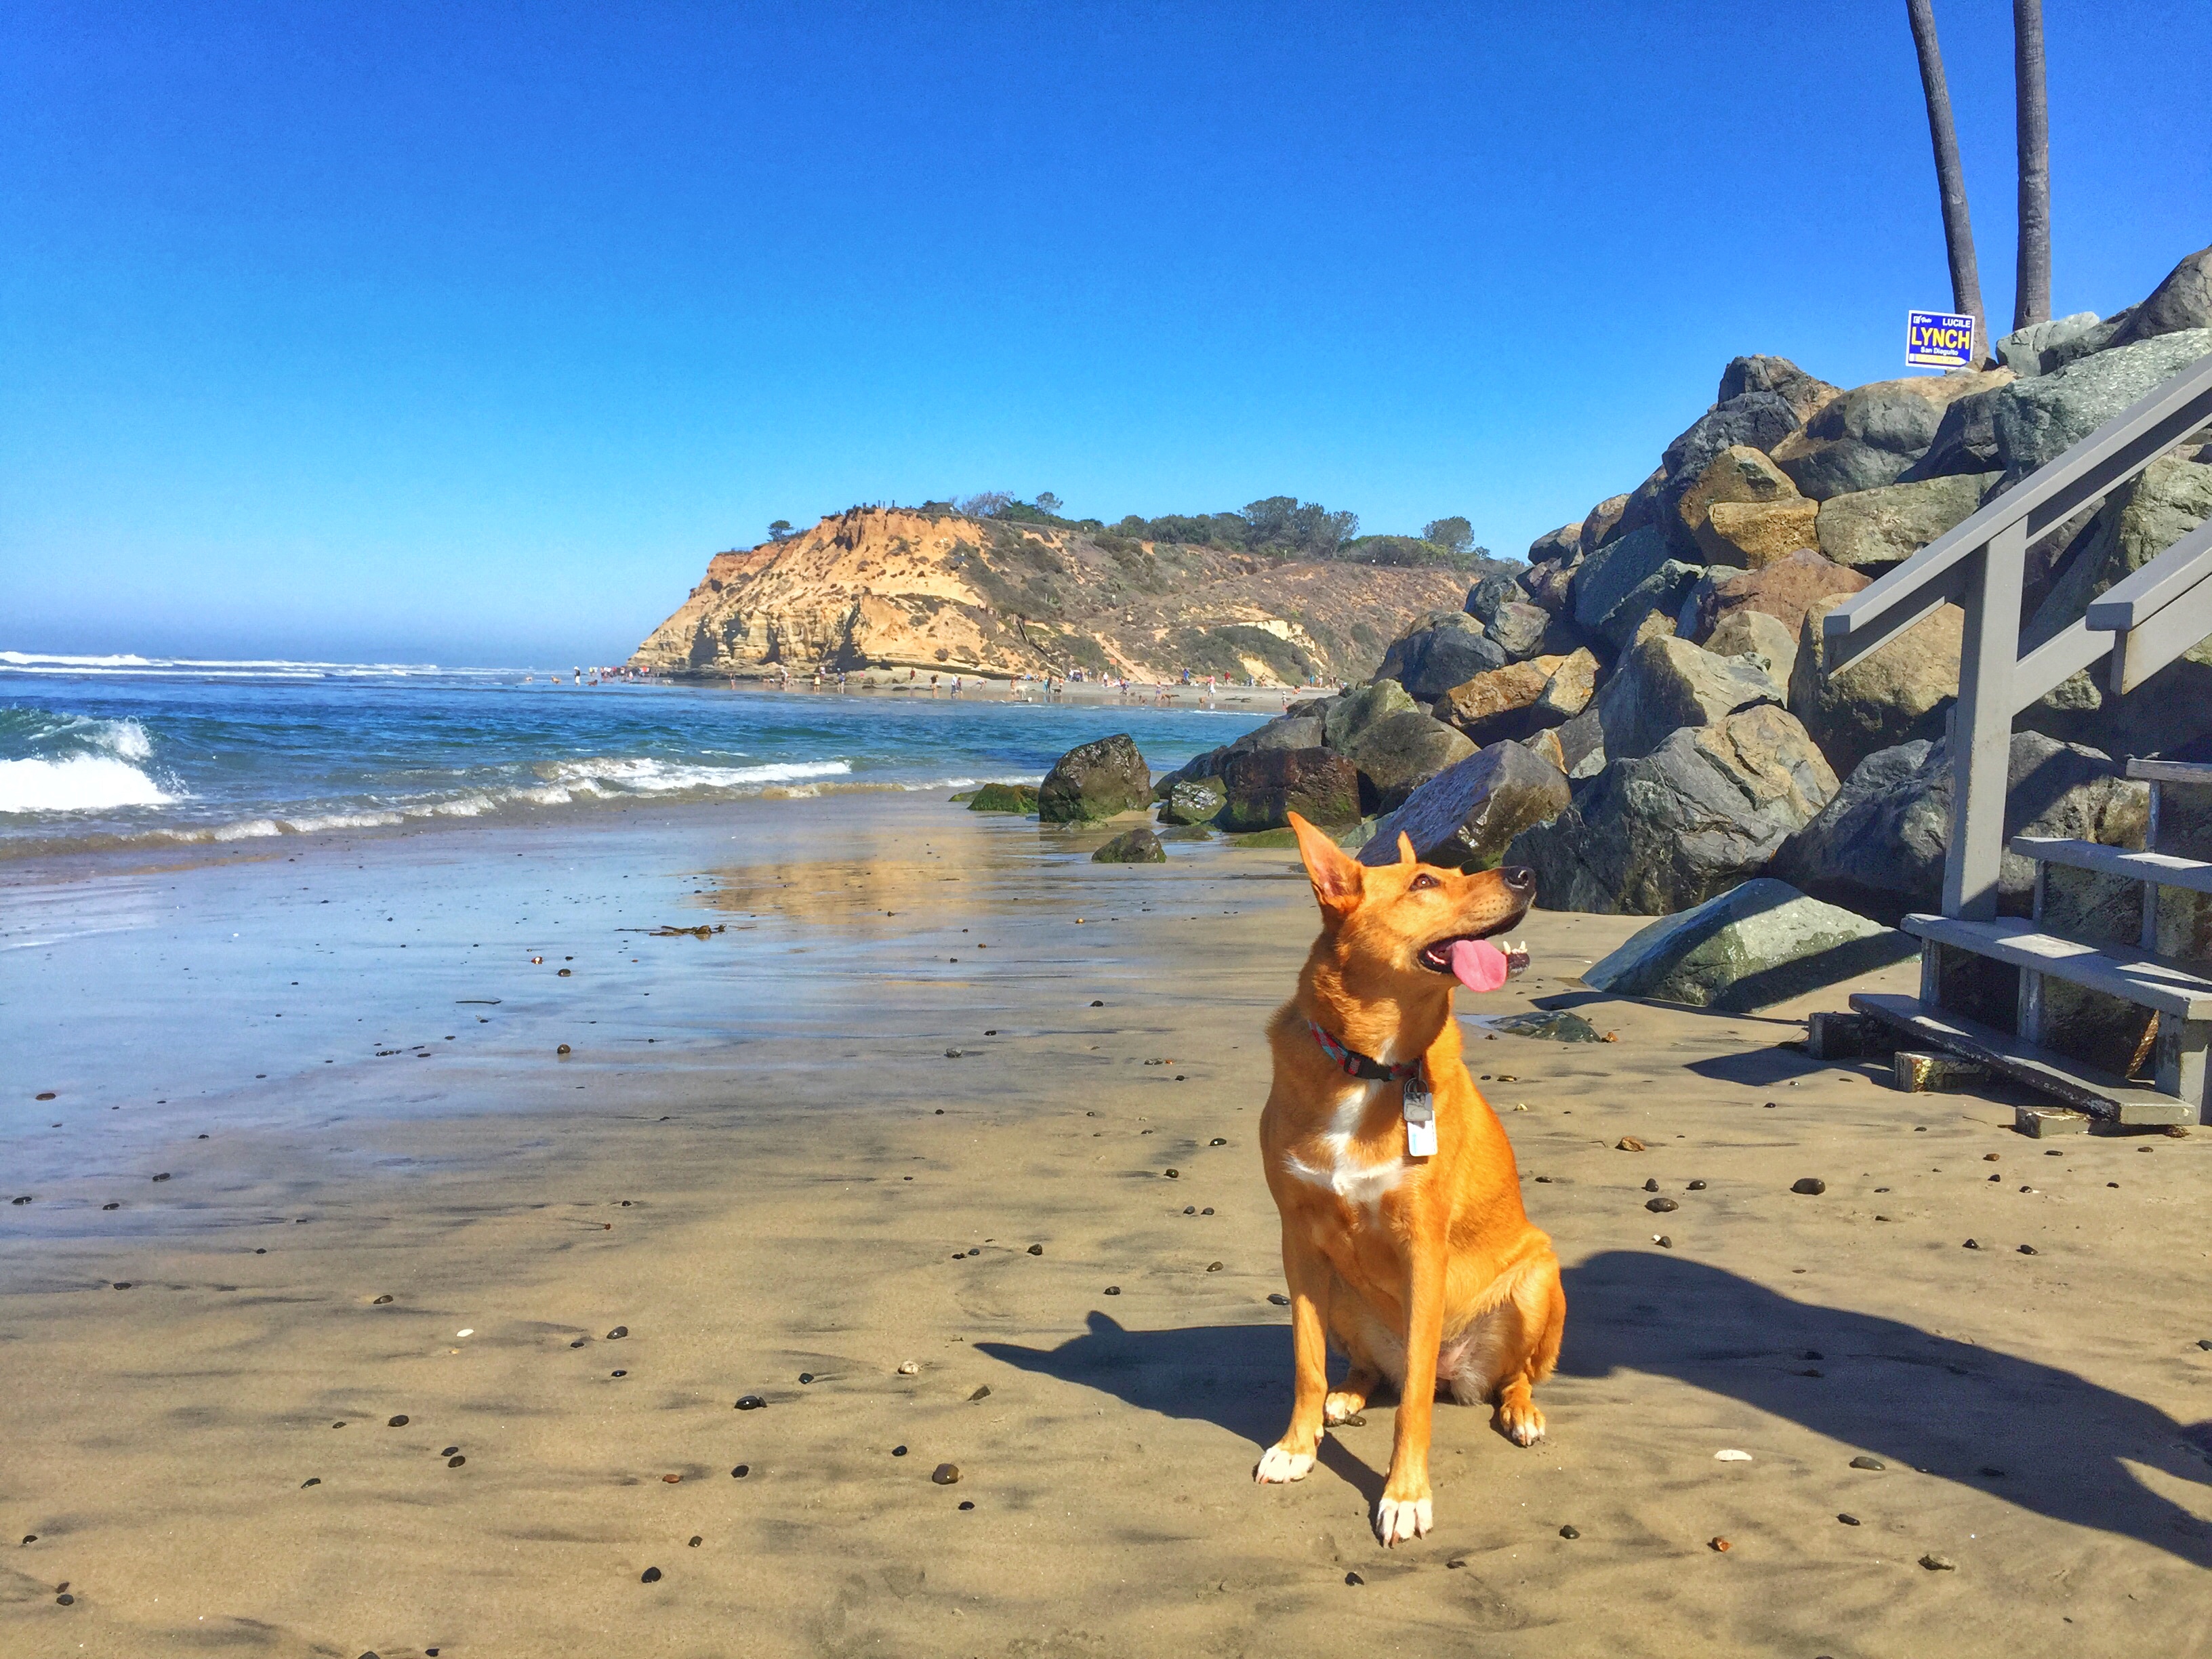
(1478, 965)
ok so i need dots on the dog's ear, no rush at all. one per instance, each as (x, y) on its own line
(1337, 877)
(1406, 848)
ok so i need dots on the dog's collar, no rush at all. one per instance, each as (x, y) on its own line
(1354, 1064)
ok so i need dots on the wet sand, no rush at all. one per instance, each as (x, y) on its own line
(759, 1160)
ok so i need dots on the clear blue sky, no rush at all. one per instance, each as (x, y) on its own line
(465, 332)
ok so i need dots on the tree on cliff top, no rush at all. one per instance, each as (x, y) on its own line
(1950, 175)
(780, 530)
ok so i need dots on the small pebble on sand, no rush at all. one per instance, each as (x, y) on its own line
(1037, 1249)
(750, 1402)
(1719, 1544)
(1810, 1186)
(1849, 1520)
(898, 1451)
(2029, 1249)
(1113, 1290)
(380, 1301)
(1353, 1578)
(455, 1460)
(907, 1368)
(1629, 1144)
(982, 1392)
(946, 1475)
(1661, 1206)
(651, 1575)
(1217, 1141)
(741, 1471)
(1564, 1532)
(618, 1333)
(1282, 1301)
(1936, 1563)
(1863, 1462)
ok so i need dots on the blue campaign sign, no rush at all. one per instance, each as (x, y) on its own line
(1938, 339)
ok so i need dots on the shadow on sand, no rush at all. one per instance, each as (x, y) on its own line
(2035, 1436)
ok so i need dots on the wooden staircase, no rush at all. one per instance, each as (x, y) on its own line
(2102, 1000)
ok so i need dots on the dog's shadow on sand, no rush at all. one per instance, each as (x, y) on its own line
(2036, 1436)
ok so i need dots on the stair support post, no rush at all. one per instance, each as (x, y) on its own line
(2180, 1058)
(1981, 726)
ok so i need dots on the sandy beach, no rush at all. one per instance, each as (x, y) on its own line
(408, 1332)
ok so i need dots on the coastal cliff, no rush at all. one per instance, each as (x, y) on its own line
(878, 587)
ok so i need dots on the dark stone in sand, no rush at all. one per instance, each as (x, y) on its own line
(1973, 1244)
(111, 1206)
(1213, 1266)
(898, 1451)
(1217, 1141)
(1936, 1563)
(65, 1600)
(261, 1252)
(750, 1402)
(48, 1095)
(1353, 1578)
(1849, 1520)
(1661, 1206)
(695, 1541)
(449, 1451)
(164, 1175)
(26, 1199)
(1697, 1186)
(1570, 1532)
(1278, 1298)
(1208, 1210)
(618, 1333)
(398, 1422)
(619, 1373)
(123, 1284)
(1863, 1462)
(741, 1471)
(1664, 1242)
(1137, 846)
(1113, 1290)
(650, 1575)
(945, 1474)
(967, 1502)
(578, 1343)
(2028, 1249)
(806, 1377)
(381, 1300)
(1652, 1185)
(455, 1462)
(1190, 1209)
(982, 1392)
(1810, 1186)
(1037, 1249)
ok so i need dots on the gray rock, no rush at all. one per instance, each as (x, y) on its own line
(1362, 706)
(1465, 816)
(2038, 420)
(1561, 543)
(1444, 649)
(1551, 587)
(2033, 350)
(1701, 812)
(1559, 1025)
(1522, 630)
(1965, 439)
(1878, 847)
(1752, 420)
(1288, 731)
(1265, 787)
(1137, 846)
(1605, 577)
(1195, 800)
(1872, 530)
(1665, 685)
(1651, 607)
(2182, 301)
(1803, 392)
(1484, 598)
(1095, 781)
(1903, 691)
(1582, 745)
(1868, 436)
(1399, 752)
(1754, 633)
(1749, 948)
(2139, 521)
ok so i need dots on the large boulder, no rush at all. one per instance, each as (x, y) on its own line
(1651, 607)
(1871, 530)
(1739, 475)
(1194, 800)
(1561, 543)
(2139, 521)
(1750, 419)
(1601, 521)
(1877, 848)
(1444, 649)
(1803, 392)
(1003, 798)
(1745, 633)
(1551, 587)
(1095, 781)
(1399, 752)
(1784, 590)
(1965, 439)
(1582, 745)
(2183, 301)
(1751, 947)
(1265, 787)
(1751, 535)
(2035, 350)
(1570, 687)
(1606, 577)
(1501, 704)
(2038, 420)
(1902, 691)
(1665, 683)
(1868, 436)
(1701, 812)
(1501, 605)
(1466, 816)
(1361, 708)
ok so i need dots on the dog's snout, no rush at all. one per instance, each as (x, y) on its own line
(1519, 876)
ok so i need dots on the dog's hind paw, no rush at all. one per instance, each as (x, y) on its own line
(1278, 1466)
(1401, 1520)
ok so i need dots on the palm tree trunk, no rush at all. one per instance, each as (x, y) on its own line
(1950, 176)
(2032, 292)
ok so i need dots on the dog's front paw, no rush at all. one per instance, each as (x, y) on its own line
(1278, 1465)
(1341, 1407)
(1521, 1424)
(1401, 1520)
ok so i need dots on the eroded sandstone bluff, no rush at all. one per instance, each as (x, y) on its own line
(878, 587)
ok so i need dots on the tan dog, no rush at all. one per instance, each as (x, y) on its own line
(1424, 1269)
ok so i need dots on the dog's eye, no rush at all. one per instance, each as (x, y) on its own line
(1422, 881)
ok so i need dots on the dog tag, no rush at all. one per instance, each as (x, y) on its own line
(1420, 1109)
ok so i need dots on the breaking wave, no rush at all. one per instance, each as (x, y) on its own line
(75, 763)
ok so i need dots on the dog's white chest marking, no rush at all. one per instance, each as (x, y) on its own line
(1355, 1181)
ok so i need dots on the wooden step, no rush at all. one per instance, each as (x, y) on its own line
(2164, 868)
(2135, 976)
(2085, 1089)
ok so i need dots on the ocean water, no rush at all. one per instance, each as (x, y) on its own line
(118, 751)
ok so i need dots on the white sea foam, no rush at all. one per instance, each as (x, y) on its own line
(128, 663)
(647, 776)
(78, 783)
